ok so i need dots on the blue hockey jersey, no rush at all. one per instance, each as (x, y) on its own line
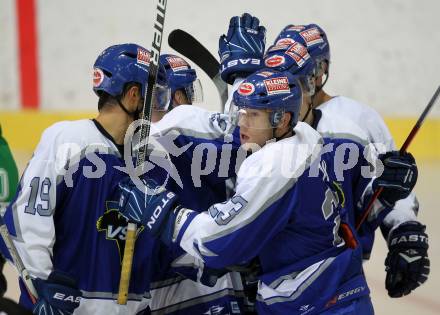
(285, 217)
(365, 125)
(344, 118)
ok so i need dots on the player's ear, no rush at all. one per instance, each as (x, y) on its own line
(130, 92)
(135, 91)
(180, 98)
(285, 120)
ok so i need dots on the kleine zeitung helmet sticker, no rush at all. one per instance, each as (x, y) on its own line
(143, 57)
(312, 36)
(177, 63)
(299, 53)
(277, 85)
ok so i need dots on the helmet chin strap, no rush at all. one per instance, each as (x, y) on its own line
(308, 110)
(134, 114)
(312, 99)
(319, 88)
(280, 137)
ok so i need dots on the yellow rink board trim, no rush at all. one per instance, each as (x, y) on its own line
(23, 130)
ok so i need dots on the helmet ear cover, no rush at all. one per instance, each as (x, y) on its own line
(308, 84)
(275, 117)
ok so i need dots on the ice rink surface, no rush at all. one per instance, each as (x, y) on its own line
(424, 301)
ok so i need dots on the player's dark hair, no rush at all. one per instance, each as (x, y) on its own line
(106, 99)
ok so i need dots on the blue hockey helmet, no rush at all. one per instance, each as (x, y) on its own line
(118, 65)
(121, 64)
(179, 75)
(277, 92)
(312, 36)
(293, 57)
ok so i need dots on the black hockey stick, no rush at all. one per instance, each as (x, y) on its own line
(191, 48)
(144, 134)
(402, 150)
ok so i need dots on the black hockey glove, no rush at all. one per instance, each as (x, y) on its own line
(407, 263)
(398, 178)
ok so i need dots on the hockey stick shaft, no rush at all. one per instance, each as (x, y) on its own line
(130, 239)
(402, 150)
(18, 263)
(420, 121)
(185, 44)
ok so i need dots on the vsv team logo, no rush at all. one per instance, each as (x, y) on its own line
(114, 226)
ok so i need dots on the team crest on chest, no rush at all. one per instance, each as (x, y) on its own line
(114, 226)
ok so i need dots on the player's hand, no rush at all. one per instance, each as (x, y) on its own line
(398, 178)
(58, 294)
(407, 263)
(241, 50)
(149, 205)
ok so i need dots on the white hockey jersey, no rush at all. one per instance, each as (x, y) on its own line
(201, 133)
(65, 217)
(365, 119)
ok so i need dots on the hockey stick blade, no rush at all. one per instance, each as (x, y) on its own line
(130, 239)
(191, 48)
(402, 150)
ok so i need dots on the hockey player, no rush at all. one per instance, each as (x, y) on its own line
(293, 57)
(171, 292)
(177, 289)
(272, 215)
(8, 186)
(183, 82)
(320, 111)
(407, 263)
(243, 42)
(290, 54)
(64, 219)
